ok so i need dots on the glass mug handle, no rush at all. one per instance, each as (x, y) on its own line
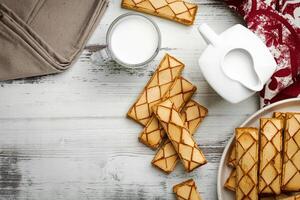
(104, 54)
(100, 54)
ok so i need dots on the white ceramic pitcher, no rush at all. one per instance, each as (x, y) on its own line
(236, 63)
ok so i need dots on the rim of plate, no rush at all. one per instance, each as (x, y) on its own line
(243, 124)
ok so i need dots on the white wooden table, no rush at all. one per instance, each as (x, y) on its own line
(66, 136)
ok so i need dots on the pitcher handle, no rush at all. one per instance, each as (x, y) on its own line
(208, 34)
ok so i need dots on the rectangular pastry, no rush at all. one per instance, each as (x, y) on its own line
(184, 144)
(166, 157)
(230, 183)
(270, 156)
(180, 93)
(291, 155)
(168, 70)
(246, 163)
(175, 10)
(186, 190)
(231, 158)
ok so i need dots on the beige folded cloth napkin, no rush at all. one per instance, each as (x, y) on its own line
(39, 37)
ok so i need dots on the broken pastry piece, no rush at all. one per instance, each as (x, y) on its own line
(180, 93)
(231, 157)
(166, 157)
(175, 10)
(291, 155)
(270, 156)
(183, 143)
(230, 183)
(187, 190)
(246, 163)
(167, 71)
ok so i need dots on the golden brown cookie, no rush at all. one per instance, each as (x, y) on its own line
(230, 183)
(246, 163)
(270, 156)
(184, 144)
(168, 70)
(187, 190)
(180, 93)
(175, 10)
(231, 157)
(291, 156)
(166, 157)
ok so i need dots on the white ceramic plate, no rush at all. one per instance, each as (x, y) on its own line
(290, 105)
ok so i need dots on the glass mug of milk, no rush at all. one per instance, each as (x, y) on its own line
(132, 40)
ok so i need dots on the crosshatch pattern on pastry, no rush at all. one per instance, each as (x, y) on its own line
(168, 70)
(186, 190)
(270, 163)
(246, 163)
(175, 10)
(184, 144)
(291, 156)
(179, 93)
(166, 157)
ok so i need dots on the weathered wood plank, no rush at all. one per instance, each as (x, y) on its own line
(65, 136)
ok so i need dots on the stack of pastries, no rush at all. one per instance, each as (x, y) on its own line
(265, 162)
(170, 118)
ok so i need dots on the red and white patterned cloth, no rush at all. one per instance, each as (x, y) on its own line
(277, 23)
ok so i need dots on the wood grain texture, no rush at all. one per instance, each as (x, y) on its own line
(66, 136)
